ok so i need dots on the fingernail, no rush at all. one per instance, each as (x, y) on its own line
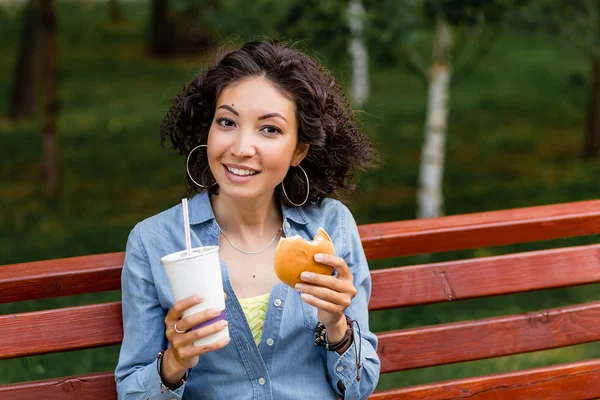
(299, 287)
(319, 257)
(224, 324)
(198, 297)
(306, 275)
(215, 311)
(305, 296)
(225, 340)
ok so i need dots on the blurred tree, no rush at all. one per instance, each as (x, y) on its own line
(359, 88)
(591, 143)
(161, 30)
(430, 195)
(312, 21)
(115, 15)
(306, 23)
(451, 28)
(577, 25)
(24, 85)
(50, 75)
(182, 27)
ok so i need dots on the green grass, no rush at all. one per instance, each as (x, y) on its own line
(514, 139)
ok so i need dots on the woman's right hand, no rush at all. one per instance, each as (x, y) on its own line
(182, 354)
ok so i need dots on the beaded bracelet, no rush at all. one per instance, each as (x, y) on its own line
(321, 340)
(321, 337)
(164, 385)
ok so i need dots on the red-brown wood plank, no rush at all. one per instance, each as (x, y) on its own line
(469, 231)
(447, 281)
(61, 277)
(62, 329)
(489, 337)
(576, 381)
(96, 273)
(82, 387)
(100, 325)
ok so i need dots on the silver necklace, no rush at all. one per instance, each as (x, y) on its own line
(249, 252)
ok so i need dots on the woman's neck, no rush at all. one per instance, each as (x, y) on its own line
(246, 218)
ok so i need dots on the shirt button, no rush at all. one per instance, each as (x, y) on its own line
(339, 368)
(261, 381)
(277, 302)
(270, 342)
(287, 225)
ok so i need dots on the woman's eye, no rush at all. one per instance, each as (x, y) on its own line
(271, 129)
(225, 122)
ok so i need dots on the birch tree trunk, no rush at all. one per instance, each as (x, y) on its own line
(51, 152)
(430, 195)
(359, 91)
(24, 85)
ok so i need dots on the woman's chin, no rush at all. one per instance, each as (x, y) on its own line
(242, 193)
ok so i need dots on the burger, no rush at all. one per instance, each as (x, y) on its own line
(295, 255)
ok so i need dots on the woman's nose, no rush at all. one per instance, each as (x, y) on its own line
(243, 145)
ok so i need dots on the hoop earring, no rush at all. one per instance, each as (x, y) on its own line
(307, 190)
(187, 166)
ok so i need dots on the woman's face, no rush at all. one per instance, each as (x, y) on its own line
(253, 139)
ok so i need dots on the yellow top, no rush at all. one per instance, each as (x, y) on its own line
(255, 310)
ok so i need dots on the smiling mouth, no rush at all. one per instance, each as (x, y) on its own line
(241, 172)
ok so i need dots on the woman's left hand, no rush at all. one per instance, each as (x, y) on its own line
(331, 295)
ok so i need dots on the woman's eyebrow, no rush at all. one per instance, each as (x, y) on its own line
(225, 106)
(271, 115)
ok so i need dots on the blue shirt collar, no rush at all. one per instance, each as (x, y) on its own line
(200, 210)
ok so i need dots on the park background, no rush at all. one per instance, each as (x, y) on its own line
(520, 106)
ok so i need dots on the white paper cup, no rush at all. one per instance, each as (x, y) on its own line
(199, 272)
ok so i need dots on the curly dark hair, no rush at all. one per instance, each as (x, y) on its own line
(325, 119)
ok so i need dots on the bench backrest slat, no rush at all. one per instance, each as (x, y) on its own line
(84, 387)
(549, 383)
(69, 328)
(62, 277)
(490, 337)
(486, 276)
(485, 229)
(392, 287)
(398, 350)
(97, 273)
(575, 381)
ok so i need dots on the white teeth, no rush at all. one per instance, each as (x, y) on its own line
(241, 172)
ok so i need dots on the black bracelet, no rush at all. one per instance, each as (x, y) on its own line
(321, 336)
(170, 386)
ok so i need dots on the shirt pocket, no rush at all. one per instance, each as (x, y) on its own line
(309, 314)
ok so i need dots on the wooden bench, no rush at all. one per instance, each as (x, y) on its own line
(403, 349)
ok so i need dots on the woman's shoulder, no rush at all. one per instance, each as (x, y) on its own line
(168, 223)
(330, 209)
(161, 219)
(199, 211)
(337, 220)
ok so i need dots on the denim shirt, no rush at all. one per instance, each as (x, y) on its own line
(287, 364)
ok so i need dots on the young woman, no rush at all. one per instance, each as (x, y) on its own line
(269, 142)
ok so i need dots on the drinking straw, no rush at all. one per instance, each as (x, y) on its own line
(186, 226)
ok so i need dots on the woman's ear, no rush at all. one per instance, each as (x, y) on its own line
(299, 154)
